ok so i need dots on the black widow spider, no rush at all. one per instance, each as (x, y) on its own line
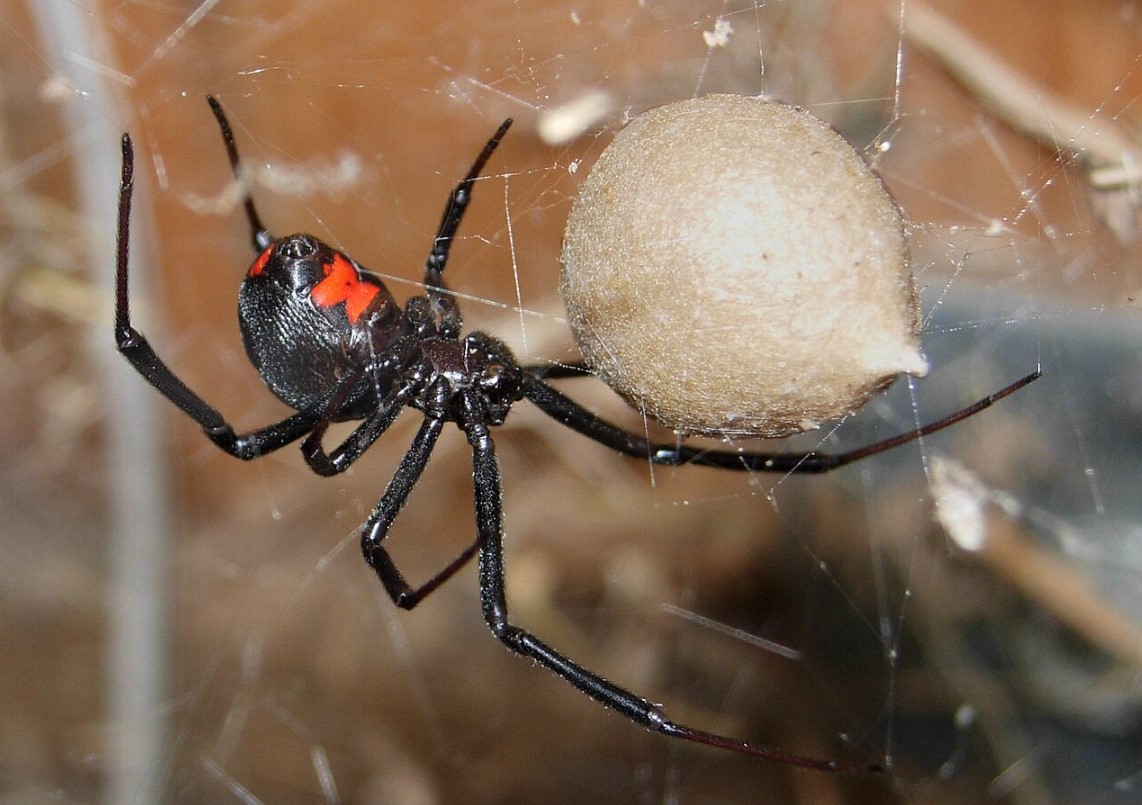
(329, 340)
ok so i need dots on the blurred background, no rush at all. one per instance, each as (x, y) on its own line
(178, 626)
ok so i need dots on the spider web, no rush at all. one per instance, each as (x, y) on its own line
(839, 616)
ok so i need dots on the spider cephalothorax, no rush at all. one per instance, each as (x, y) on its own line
(331, 342)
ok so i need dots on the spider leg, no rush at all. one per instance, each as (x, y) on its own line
(386, 511)
(558, 371)
(135, 348)
(570, 413)
(259, 235)
(493, 599)
(342, 457)
(441, 301)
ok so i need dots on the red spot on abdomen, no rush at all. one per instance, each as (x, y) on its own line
(260, 264)
(342, 283)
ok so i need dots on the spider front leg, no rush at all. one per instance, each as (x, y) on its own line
(135, 348)
(559, 371)
(493, 600)
(441, 302)
(568, 412)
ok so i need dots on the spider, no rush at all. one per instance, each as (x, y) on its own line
(330, 341)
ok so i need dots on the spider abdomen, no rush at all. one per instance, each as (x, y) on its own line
(311, 318)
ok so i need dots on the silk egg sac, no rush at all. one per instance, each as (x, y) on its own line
(733, 267)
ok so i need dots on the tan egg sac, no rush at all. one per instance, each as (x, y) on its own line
(733, 266)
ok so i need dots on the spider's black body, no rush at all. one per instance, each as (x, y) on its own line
(312, 318)
(331, 342)
(304, 331)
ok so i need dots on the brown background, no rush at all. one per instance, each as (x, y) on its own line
(285, 651)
